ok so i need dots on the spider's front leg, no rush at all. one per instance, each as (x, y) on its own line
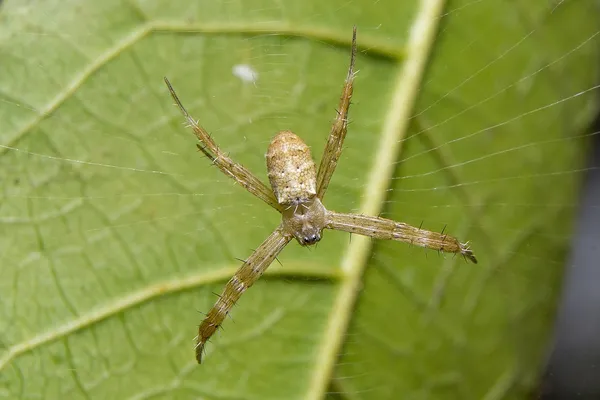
(333, 148)
(249, 272)
(230, 168)
(381, 228)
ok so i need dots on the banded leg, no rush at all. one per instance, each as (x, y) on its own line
(381, 228)
(236, 171)
(249, 272)
(333, 148)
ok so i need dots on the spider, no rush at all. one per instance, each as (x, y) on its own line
(297, 193)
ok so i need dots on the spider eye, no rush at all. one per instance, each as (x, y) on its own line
(312, 239)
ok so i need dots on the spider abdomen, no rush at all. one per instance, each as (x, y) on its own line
(291, 169)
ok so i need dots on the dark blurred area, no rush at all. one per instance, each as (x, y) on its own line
(573, 370)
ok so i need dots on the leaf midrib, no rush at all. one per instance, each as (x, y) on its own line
(397, 120)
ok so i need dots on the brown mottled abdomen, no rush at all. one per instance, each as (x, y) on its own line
(291, 169)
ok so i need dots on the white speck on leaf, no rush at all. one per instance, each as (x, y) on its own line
(245, 72)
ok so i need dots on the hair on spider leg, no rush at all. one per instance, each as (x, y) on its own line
(229, 316)
(206, 153)
(201, 312)
(279, 262)
(217, 294)
(463, 256)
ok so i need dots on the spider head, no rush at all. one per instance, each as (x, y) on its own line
(305, 221)
(309, 238)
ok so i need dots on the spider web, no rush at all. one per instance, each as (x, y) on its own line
(114, 230)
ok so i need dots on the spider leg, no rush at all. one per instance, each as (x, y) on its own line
(230, 168)
(333, 148)
(382, 228)
(249, 272)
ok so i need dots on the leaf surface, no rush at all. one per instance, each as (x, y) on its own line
(115, 231)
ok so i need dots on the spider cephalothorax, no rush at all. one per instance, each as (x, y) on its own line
(298, 190)
(305, 221)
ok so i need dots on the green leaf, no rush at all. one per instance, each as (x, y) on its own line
(115, 232)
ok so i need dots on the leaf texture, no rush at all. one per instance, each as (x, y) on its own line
(115, 233)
